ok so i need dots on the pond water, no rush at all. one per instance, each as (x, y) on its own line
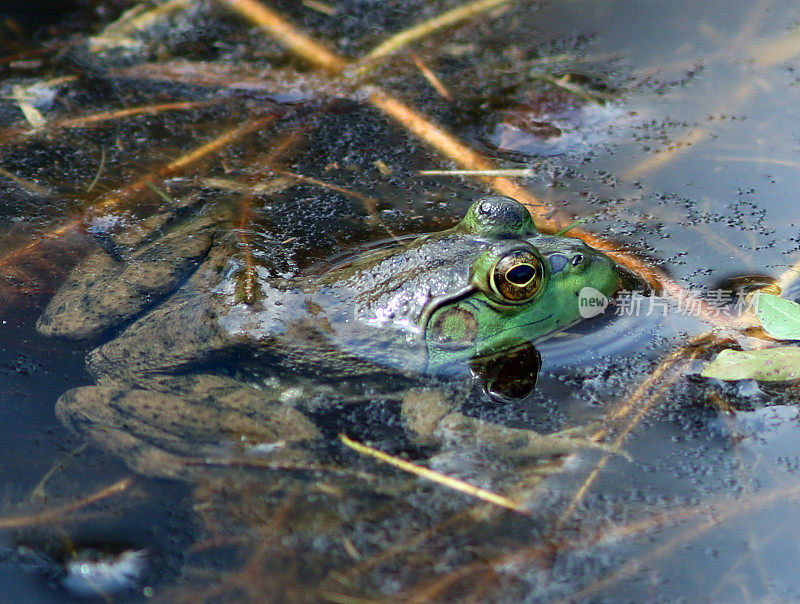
(668, 129)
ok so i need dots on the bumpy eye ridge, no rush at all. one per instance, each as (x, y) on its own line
(517, 276)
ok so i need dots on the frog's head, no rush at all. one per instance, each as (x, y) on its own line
(521, 287)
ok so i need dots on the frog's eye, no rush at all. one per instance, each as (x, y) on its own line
(517, 276)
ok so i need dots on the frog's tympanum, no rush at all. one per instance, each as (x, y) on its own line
(194, 364)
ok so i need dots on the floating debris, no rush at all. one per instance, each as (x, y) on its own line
(31, 113)
(88, 572)
(544, 130)
(91, 573)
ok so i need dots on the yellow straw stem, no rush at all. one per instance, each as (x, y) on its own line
(433, 476)
(285, 33)
(446, 19)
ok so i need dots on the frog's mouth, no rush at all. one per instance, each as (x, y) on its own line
(524, 325)
(474, 303)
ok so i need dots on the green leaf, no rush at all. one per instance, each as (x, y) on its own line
(779, 317)
(768, 365)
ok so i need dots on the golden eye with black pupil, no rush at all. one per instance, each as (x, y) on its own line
(517, 276)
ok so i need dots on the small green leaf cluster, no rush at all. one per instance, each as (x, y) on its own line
(780, 318)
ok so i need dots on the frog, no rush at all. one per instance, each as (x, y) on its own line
(192, 365)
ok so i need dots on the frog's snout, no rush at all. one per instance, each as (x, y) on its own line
(607, 271)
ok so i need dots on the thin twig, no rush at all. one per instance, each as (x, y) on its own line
(426, 28)
(267, 464)
(249, 287)
(428, 474)
(718, 515)
(449, 146)
(344, 577)
(288, 35)
(38, 491)
(131, 22)
(29, 186)
(57, 514)
(117, 114)
(509, 172)
(114, 200)
(320, 7)
(99, 171)
(654, 380)
(432, 78)
(370, 203)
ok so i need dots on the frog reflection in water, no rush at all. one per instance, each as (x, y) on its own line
(199, 369)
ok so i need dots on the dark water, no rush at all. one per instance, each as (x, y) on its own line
(686, 153)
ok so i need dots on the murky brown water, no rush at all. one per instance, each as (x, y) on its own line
(670, 128)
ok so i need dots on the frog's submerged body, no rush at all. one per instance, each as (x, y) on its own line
(198, 367)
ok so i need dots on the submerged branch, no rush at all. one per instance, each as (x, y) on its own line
(113, 201)
(717, 515)
(432, 78)
(287, 34)
(57, 514)
(104, 116)
(426, 28)
(656, 384)
(120, 33)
